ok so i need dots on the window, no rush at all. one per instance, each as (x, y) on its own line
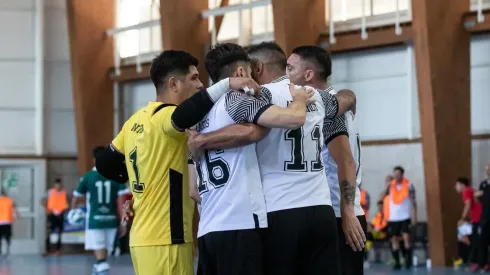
(132, 12)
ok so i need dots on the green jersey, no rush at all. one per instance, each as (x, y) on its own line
(102, 197)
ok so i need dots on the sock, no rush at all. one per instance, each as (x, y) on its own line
(101, 261)
(48, 244)
(408, 257)
(396, 255)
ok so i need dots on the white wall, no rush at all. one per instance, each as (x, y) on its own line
(17, 76)
(385, 83)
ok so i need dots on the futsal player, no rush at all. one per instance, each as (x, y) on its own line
(232, 201)
(300, 218)
(101, 220)
(151, 150)
(311, 65)
(8, 213)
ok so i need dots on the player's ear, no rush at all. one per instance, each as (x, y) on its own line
(172, 84)
(258, 68)
(309, 74)
(240, 72)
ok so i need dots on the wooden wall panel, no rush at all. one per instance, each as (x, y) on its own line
(442, 57)
(298, 22)
(91, 54)
(183, 28)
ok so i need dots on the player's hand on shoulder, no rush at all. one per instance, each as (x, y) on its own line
(194, 143)
(304, 94)
(246, 85)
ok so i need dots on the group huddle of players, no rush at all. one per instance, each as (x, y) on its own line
(278, 166)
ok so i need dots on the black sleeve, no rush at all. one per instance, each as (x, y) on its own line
(110, 164)
(331, 104)
(243, 108)
(192, 110)
(334, 128)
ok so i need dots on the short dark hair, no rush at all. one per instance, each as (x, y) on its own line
(464, 181)
(222, 60)
(268, 52)
(57, 180)
(169, 63)
(399, 168)
(319, 57)
(97, 150)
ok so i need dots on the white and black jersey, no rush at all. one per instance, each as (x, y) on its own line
(229, 181)
(290, 161)
(342, 125)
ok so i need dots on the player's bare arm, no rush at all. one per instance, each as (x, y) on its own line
(231, 136)
(293, 116)
(414, 207)
(193, 192)
(340, 151)
(195, 108)
(346, 100)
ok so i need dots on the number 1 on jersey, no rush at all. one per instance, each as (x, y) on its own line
(138, 187)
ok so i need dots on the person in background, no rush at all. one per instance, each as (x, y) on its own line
(472, 209)
(102, 197)
(464, 243)
(365, 201)
(8, 213)
(56, 203)
(402, 214)
(483, 195)
(377, 230)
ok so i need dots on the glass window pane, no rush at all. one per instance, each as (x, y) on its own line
(262, 20)
(388, 6)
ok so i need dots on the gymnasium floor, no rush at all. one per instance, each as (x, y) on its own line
(82, 265)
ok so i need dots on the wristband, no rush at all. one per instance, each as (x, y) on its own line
(218, 89)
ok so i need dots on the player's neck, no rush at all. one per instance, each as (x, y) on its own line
(318, 85)
(168, 99)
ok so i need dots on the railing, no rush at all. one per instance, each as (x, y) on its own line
(138, 37)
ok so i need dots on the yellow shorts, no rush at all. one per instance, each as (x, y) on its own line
(175, 259)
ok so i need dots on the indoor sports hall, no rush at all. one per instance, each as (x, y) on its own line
(72, 72)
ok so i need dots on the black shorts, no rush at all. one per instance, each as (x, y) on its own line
(236, 252)
(352, 262)
(5, 232)
(302, 241)
(56, 222)
(396, 229)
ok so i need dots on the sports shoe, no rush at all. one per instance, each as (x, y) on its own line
(102, 269)
(458, 263)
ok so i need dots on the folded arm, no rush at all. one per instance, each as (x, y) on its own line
(243, 109)
(231, 136)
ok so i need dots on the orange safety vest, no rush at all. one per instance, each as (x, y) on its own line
(379, 221)
(57, 202)
(386, 207)
(398, 196)
(364, 202)
(6, 210)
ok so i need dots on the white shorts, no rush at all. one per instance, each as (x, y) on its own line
(98, 239)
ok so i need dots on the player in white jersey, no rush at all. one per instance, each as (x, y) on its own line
(297, 197)
(232, 201)
(342, 165)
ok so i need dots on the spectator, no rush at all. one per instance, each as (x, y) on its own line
(464, 243)
(483, 196)
(8, 213)
(365, 201)
(56, 203)
(402, 214)
(472, 209)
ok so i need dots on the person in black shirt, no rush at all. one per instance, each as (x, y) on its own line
(483, 195)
